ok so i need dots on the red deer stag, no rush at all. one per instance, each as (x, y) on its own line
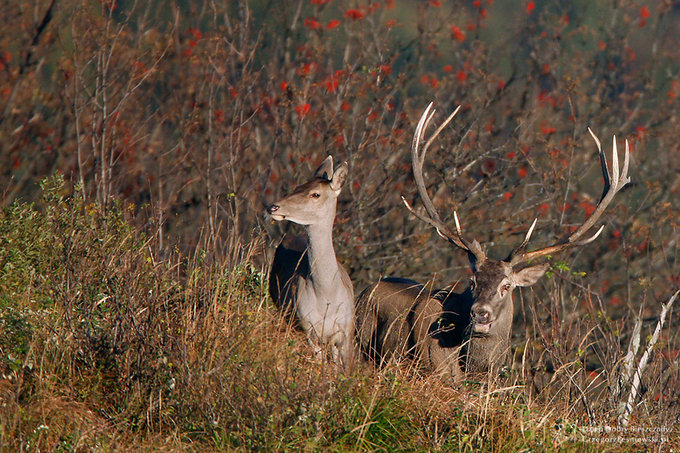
(468, 332)
(306, 278)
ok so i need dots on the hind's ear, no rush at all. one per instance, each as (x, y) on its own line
(339, 177)
(325, 170)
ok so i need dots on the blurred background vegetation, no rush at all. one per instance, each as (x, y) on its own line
(173, 123)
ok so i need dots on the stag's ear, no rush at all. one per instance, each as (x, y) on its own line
(325, 170)
(529, 275)
(339, 177)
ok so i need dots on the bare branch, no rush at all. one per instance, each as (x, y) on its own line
(642, 364)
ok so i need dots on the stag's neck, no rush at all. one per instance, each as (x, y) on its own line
(489, 351)
(322, 261)
(504, 321)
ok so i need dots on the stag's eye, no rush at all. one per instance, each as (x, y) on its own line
(472, 283)
(507, 287)
(315, 195)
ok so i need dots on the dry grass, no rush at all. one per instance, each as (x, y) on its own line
(107, 347)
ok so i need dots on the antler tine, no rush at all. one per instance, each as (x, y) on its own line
(626, 160)
(520, 248)
(418, 135)
(439, 226)
(459, 232)
(439, 129)
(612, 185)
(418, 156)
(550, 250)
(603, 163)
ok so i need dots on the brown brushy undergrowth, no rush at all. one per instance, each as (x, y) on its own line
(106, 347)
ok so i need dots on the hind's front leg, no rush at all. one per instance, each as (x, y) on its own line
(342, 349)
(313, 339)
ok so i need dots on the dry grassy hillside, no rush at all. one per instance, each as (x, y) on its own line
(140, 142)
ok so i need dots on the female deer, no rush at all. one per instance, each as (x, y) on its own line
(306, 278)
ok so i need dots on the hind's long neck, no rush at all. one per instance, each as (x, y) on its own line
(322, 261)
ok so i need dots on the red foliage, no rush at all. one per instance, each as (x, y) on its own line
(630, 53)
(429, 80)
(489, 166)
(674, 90)
(644, 12)
(671, 354)
(545, 98)
(457, 33)
(307, 69)
(530, 7)
(303, 109)
(355, 14)
(547, 130)
(4, 59)
(312, 23)
(588, 208)
(615, 301)
(332, 24)
(339, 140)
(333, 80)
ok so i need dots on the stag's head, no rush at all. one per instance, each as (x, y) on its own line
(491, 285)
(492, 280)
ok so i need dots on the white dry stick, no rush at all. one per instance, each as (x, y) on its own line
(628, 364)
(623, 420)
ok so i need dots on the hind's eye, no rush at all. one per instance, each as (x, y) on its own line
(315, 195)
(472, 283)
(506, 287)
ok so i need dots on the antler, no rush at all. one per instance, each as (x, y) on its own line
(433, 218)
(612, 184)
